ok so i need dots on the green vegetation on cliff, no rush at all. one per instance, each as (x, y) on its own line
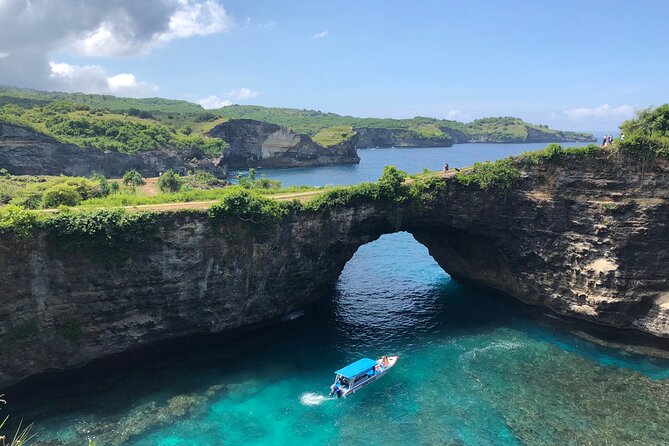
(333, 135)
(99, 128)
(133, 125)
(311, 122)
(496, 176)
(646, 136)
(116, 233)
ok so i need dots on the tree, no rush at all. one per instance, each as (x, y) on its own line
(170, 182)
(660, 119)
(391, 183)
(133, 179)
(105, 187)
(60, 194)
(247, 180)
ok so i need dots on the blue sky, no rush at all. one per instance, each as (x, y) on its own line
(583, 65)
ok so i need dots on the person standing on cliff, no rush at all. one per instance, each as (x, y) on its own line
(446, 167)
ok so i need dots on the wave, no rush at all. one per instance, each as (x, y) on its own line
(314, 399)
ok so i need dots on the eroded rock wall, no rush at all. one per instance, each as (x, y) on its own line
(588, 239)
(380, 137)
(261, 144)
(25, 152)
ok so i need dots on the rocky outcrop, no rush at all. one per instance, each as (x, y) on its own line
(588, 238)
(388, 137)
(385, 137)
(261, 144)
(528, 135)
(26, 152)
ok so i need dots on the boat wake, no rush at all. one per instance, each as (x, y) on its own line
(314, 399)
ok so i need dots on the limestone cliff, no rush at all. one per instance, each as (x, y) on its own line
(385, 137)
(25, 152)
(261, 144)
(587, 238)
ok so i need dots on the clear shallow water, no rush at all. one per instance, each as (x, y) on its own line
(475, 368)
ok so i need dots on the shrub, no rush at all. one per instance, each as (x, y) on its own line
(105, 234)
(266, 183)
(133, 179)
(554, 152)
(391, 184)
(646, 136)
(496, 177)
(105, 187)
(29, 197)
(17, 220)
(170, 182)
(640, 147)
(60, 194)
(205, 179)
(248, 206)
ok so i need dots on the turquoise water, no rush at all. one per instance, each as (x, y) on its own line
(475, 368)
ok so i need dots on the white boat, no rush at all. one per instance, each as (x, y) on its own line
(357, 375)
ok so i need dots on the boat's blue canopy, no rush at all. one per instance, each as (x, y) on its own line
(356, 368)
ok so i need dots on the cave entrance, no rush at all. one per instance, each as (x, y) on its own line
(390, 288)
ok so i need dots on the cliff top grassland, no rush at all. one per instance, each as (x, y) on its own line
(251, 200)
(132, 125)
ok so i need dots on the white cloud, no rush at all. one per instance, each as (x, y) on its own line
(3, 55)
(321, 35)
(236, 94)
(603, 111)
(94, 79)
(213, 102)
(117, 36)
(32, 31)
(453, 114)
(242, 93)
(197, 19)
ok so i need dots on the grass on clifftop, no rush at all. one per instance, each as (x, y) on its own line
(333, 135)
(101, 129)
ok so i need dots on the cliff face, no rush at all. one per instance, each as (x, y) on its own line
(261, 144)
(587, 239)
(25, 152)
(527, 135)
(386, 137)
(380, 137)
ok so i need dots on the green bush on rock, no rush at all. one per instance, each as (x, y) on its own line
(170, 182)
(18, 220)
(496, 177)
(248, 206)
(107, 234)
(60, 194)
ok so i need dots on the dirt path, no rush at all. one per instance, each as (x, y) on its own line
(300, 196)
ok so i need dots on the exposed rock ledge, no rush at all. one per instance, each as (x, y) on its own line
(588, 239)
(261, 144)
(25, 152)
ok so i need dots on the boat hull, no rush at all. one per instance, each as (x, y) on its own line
(343, 392)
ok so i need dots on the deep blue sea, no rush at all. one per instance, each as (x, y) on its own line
(476, 367)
